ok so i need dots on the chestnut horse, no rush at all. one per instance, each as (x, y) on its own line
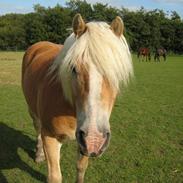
(144, 53)
(70, 90)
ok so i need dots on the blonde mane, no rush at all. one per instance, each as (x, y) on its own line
(99, 45)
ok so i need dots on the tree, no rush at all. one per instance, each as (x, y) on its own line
(82, 7)
(35, 28)
(57, 20)
(12, 32)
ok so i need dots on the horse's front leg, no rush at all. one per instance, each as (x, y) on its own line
(52, 152)
(82, 164)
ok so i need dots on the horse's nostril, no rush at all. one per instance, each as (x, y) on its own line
(81, 134)
(81, 138)
(107, 139)
(106, 135)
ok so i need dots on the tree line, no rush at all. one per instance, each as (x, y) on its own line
(143, 28)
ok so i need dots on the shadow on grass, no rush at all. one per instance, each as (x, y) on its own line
(10, 141)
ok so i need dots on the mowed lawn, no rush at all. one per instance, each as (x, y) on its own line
(146, 124)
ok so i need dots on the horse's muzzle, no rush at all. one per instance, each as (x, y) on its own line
(92, 144)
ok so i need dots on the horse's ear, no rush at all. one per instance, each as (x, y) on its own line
(117, 26)
(78, 25)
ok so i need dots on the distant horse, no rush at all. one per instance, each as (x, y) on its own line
(158, 53)
(144, 53)
(70, 90)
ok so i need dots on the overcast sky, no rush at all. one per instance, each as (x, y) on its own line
(25, 6)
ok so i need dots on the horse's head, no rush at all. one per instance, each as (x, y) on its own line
(95, 60)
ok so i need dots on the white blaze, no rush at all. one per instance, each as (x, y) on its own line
(94, 97)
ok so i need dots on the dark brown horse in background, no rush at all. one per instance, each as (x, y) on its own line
(144, 53)
(158, 53)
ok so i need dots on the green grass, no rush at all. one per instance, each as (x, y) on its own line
(146, 124)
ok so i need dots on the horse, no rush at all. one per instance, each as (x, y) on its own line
(70, 90)
(144, 53)
(158, 53)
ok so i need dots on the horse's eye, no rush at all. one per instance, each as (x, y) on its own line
(74, 71)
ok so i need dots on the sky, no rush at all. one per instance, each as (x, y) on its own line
(25, 6)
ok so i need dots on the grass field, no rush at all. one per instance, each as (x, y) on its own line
(146, 124)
